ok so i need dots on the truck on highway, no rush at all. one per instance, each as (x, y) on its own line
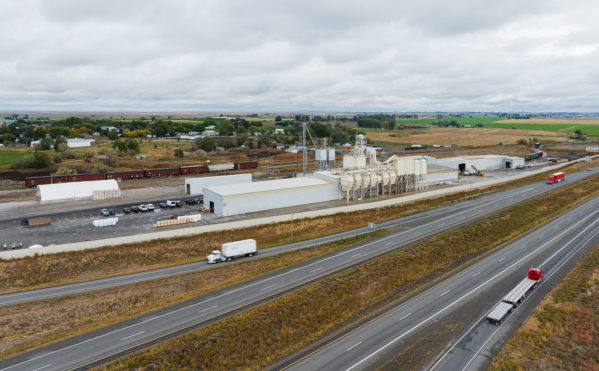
(556, 177)
(515, 297)
(232, 250)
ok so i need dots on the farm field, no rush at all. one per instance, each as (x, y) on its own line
(588, 127)
(473, 137)
(8, 156)
(462, 120)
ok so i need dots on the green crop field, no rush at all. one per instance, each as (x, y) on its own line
(587, 129)
(8, 156)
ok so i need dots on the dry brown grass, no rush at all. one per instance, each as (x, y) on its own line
(31, 325)
(55, 269)
(474, 137)
(258, 336)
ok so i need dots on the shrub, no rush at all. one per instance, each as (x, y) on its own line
(65, 171)
(100, 167)
(179, 153)
(37, 160)
(206, 143)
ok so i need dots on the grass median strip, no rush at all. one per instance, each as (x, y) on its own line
(56, 269)
(259, 336)
(563, 331)
(28, 326)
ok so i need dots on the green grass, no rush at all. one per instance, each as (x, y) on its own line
(588, 129)
(8, 156)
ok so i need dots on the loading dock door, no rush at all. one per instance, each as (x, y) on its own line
(211, 206)
(508, 164)
(461, 167)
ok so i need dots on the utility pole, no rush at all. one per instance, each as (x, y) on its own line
(304, 149)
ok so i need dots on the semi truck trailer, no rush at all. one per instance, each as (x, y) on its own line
(515, 297)
(232, 250)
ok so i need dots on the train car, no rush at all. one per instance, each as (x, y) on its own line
(194, 169)
(221, 167)
(162, 172)
(127, 174)
(246, 165)
(85, 177)
(51, 179)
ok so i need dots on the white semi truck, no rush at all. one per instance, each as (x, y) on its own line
(232, 250)
(515, 297)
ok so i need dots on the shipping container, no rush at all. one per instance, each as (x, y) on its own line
(127, 174)
(246, 165)
(194, 169)
(85, 177)
(162, 172)
(38, 180)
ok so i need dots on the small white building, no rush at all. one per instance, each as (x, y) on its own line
(234, 199)
(195, 186)
(94, 189)
(209, 133)
(78, 142)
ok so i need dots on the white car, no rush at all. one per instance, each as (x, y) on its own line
(170, 203)
(150, 207)
(143, 208)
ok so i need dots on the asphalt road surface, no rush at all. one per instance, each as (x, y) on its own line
(469, 294)
(93, 348)
(434, 221)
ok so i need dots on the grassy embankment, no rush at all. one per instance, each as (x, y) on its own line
(258, 336)
(55, 269)
(32, 325)
(563, 331)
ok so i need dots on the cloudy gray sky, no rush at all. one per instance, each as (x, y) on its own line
(299, 55)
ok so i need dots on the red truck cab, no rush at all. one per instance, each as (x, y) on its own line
(556, 177)
(535, 274)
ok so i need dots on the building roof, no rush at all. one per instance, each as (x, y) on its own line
(268, 186)
(74, 190)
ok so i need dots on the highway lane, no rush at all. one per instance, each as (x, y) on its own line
(498, 200)
(381, 339)
(148, 328)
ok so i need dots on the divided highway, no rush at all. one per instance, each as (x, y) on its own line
(496, 201)
(466, 296)
(120, 338)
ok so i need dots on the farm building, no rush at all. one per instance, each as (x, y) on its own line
(473, 163)
(95, 190)
(78, 142)
(195, 186)
(233, 199)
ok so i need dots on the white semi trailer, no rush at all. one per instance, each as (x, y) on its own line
(232, 250)
(515, 297)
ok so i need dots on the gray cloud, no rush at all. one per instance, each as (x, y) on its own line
(298, 55)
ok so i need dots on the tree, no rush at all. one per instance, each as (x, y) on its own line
(113, 135)
(133, 145)
(579, 134)
(278, 118)
(242, 139)
(45, 144)
(179, 153)
(206, 143)
(340, 137)
(60, 145)
(522, 141)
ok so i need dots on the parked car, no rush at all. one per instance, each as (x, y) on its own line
(190, 201)
(199, 200)
(135, 209)
(179, 203)
(143, 208)
(171, 204)
(150, 207)
(162, 205)
(126, 210)
(111, 211)
(104, 212)
(520, 167)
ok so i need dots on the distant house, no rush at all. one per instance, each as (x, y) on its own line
(109, 128)
(279, 131)
(78, 142)
(209, 133)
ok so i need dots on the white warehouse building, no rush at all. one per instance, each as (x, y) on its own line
(195, 186)
(483, 162)
(93, 189)
(233, 199)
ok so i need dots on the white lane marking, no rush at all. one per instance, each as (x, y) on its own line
(476, 274)
(476, 288)
(442, 224)
(353, 346)
(130, 336)
(204, 310)
(268, 287)
(355, 255)
(446, 292)
(314, 270)
(39, 368)
(405, 316)
(502, 259)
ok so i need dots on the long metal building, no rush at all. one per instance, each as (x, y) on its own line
(233, 199)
